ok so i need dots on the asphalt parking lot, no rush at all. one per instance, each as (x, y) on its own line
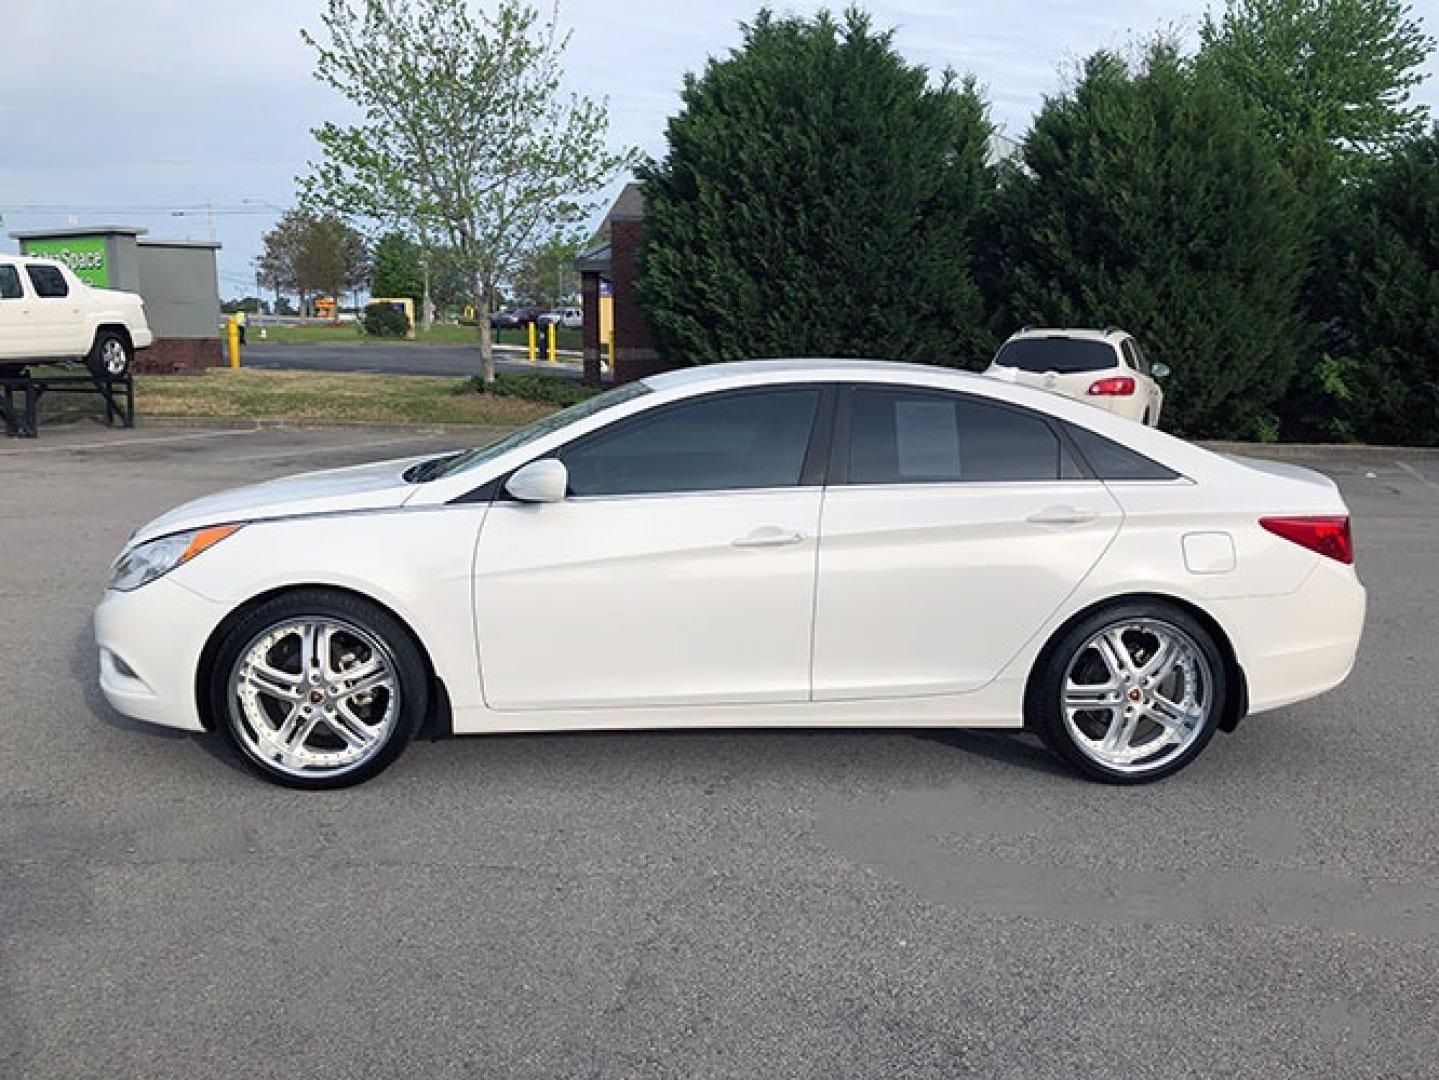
(806, 904)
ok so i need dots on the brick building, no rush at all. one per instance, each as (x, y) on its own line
(608, 272)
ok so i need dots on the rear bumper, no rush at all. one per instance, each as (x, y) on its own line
(150, 642)
(1297, 646)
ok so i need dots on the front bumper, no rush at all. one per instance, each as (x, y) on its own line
(150, 642)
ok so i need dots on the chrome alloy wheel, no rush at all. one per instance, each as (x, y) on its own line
(112, 356)
(1137, 694)
(314, 697)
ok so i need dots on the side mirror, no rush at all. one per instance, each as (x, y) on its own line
(1159, 371)
(543, 481)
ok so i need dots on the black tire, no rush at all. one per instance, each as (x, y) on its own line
(398, 647)
(1045, 712)
(111, 355)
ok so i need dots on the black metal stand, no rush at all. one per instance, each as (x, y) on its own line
(22, 419)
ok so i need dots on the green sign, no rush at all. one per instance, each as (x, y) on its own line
(83, 254)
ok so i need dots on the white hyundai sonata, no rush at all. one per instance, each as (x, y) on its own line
(769, 544)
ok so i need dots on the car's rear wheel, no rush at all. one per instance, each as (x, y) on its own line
(111, 355)
(1129, 694)
(318, 689)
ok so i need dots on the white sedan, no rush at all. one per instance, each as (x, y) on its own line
(772, 544)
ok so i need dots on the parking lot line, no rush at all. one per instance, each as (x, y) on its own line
(120, 443)
(1417, 475)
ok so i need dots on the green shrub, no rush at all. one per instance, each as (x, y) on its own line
(817, 198)
(1149, 199)
(545, 389)
(385, 320)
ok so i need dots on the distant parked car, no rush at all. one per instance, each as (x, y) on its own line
(1102, 367)
(503, 320)
(47, 313)
(553, 317)
(572, 318)
(526, 315)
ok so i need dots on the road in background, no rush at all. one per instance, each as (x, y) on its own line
(396, 359)
(742, 904)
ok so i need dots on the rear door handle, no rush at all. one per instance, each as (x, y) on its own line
(1062, 515)
(768, 536)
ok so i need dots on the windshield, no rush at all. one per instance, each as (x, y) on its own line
(448, 466)
(1061, 355)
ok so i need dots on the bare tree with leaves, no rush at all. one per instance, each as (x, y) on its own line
(464, 131)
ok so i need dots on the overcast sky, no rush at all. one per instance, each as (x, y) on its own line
(144, 111)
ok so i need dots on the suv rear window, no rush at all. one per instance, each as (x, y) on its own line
(1061, 355)
(10, 284)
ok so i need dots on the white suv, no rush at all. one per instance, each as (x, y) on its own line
(1102, 367)
(49, 314)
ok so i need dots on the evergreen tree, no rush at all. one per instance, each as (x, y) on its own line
(1378, 378)
(817, 199)
(1149, 199)
(398, 271)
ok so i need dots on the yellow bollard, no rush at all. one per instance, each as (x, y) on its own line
(233, 328)
(533, 347)
(550, 337)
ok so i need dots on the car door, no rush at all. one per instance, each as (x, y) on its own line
(17, 333)
(953, 527)
(55, 317)
(678, 571)
(1149, 386)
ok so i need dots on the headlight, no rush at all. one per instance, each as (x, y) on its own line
(142, 565)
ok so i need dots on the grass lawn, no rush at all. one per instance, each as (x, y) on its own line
(327, 396)
(440, 334)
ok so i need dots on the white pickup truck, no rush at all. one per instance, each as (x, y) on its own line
(49, 315)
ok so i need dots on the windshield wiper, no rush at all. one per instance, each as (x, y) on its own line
(428, 470)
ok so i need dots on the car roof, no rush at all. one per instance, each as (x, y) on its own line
(11, 257)
(1109, 334)
(761, 370)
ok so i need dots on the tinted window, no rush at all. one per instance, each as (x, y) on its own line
(10, 284)
(906, 437)
(539, 429)
(1110, 461)
(48, 281)
(752, 440)
(1061, 355)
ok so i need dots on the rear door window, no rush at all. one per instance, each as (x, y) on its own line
(901, 436)
(49, 283)
(1061, 355)
(10, 284)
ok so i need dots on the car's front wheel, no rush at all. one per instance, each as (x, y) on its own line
(318, 689)
(1130, 693)
(111, 355)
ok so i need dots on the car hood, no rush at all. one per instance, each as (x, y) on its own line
(379, 486)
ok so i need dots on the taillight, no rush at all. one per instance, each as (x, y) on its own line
(1328, 536)
(1119, 386)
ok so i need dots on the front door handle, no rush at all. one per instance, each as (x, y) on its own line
(768, 536)
(1062, 515)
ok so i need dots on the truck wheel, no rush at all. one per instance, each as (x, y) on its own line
(110, 356)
